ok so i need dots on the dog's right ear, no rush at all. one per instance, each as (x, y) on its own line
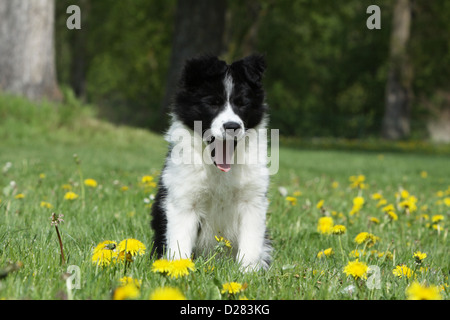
(198, 70)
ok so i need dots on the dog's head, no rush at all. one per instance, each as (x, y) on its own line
(227, 99)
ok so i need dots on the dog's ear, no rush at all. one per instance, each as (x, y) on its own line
(252, 67)
(201, 69)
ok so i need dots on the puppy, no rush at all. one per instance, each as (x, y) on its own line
(203, 190)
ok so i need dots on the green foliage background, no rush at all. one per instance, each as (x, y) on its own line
(327, 72)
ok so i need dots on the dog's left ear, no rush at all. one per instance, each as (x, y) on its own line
(253, 67)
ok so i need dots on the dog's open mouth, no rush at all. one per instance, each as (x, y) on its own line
(222, 152)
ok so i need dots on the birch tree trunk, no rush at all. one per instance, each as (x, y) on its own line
(396, 121)
(27, 54)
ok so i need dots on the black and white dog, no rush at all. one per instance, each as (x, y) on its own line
(201, 199)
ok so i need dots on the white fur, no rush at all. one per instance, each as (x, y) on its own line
(203, 202)
(227, 115)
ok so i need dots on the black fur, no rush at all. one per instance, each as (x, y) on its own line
(201, 97)
(201, 93)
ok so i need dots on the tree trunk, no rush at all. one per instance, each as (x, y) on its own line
(27, 54)
(396, 121)
(199, 29)
(79, 59)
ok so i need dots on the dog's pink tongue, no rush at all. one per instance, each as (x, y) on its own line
(224, 152)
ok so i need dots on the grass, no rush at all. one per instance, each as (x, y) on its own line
(39, 144)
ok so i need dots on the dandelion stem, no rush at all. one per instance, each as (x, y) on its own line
(60, 245)
(209, 260)
(340, 245)
(55, 222)
(80, 174)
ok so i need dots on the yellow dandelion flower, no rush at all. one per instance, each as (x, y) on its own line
(357, 181)
(66, 187)
(91, 183)
(161, 266)
(402, 271)
(356, 269)
(335, 184)
(374, 220)
(436, 218)
(377, 196)
(223, 242)
(232, 288)
(419, 256)
(357, 253)
(167, 293)
(70, 195)
(128, 291)
(358, 202)
(45, 204)
(338, 229)
(297, 193)
(42, 176)
(132, 246)
(325, 225)
(148, 183)
(129, 280)
(424, 174)
(319, 204)
(447, 201)
(417, 291)
(409, 203)
(404, 194)
(291, 200)
(107, 244)
(104, 257)
(325, 253)
(124, 188)
(367, 238)
(147, 179)
(361, 237)
(387, 208)
(124, 256)
(180, 268)
(392, 215)
(19, 196)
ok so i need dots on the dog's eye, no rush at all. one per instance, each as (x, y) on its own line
(213, 101)
(241, 102)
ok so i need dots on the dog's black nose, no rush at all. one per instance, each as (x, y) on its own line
(231, 125)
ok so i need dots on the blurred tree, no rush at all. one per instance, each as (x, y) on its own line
(199, 29)
(396, 120)
(327, 72)
(78, 68)
(119, 57)
(27, 57)
(430, 56)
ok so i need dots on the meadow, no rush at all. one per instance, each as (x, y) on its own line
(344, 224)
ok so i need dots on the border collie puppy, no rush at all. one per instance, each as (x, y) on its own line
(212, 194)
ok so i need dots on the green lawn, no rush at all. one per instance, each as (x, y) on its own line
(39, 144)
